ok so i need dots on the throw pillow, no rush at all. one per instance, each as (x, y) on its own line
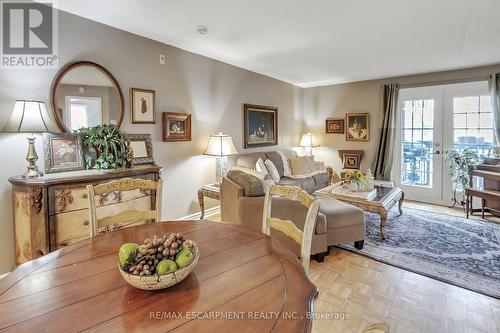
(286, 154)
(273, 171)
(261, 166)
(301, 165)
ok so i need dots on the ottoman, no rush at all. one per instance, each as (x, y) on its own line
(345, 223)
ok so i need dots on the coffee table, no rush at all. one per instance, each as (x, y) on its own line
(386, 199)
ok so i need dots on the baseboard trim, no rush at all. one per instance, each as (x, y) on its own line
(196, 216)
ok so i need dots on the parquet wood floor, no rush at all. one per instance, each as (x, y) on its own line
(373, 292)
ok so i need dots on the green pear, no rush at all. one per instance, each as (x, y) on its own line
(166, 266)
(184, 258)
(127, 253)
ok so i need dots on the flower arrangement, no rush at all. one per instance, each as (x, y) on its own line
(356, 178)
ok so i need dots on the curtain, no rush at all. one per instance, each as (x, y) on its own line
(385, 152)
(494, 85)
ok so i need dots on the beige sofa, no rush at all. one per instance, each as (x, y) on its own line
(242, 202)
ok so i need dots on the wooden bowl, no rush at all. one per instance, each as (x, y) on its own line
(155, 282)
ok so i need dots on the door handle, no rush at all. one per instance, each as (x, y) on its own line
(437, 152)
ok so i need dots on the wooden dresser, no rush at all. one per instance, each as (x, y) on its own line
(51, 212)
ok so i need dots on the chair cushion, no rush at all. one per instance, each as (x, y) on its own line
(249, 160)
(277, 161)
(301, 165)
(339, 214)
(321, 179)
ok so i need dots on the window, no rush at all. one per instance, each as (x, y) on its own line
(473, 123)
(417, 136)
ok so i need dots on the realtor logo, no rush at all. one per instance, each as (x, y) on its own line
(29, 34)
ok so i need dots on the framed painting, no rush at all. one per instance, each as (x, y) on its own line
(141, 147)
(142, 106)
(63, 152)
(260, 125)
(176, 126)
(334, 126)
(351, 160)
(358, 126)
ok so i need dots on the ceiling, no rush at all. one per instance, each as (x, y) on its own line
(316, 42)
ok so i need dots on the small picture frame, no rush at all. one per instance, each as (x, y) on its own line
(62, 152)
(351, 160)
(334, 126)
(176, 126)
(358, 126)
(142, 106)
(142, 148)
(260, 125)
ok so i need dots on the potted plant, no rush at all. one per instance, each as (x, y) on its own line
(460, 163)
(106, 147)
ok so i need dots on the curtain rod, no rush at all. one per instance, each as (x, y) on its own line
(444, 82)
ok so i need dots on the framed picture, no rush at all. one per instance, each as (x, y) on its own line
(142, 148)
(142, 105)
(63, 152)
(351, 160)
(358, 126)
(260, 126)
(176, 126)
(334, 126)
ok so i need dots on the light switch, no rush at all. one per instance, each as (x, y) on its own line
(162, 59)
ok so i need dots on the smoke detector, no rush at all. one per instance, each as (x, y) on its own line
(201, 29)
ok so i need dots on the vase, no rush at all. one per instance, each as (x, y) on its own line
(354, 186)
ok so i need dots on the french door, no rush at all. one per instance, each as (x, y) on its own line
(430, 121)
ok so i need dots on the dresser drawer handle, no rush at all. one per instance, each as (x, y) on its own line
(86, 222)
(63, 244)
(40, 252)
(85, 196)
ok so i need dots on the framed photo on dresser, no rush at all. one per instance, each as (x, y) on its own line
(62, 152)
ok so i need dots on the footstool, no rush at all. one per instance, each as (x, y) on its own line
(345, 223)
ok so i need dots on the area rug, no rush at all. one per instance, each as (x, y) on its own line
(452, 249)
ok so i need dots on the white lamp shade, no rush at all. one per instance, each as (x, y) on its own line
(220, 145)
(308, 140)
(30, 117)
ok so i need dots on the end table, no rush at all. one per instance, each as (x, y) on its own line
(210, 191)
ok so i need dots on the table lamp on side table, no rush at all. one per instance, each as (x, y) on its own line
(30, 117)
(309, 141)
(221, 146)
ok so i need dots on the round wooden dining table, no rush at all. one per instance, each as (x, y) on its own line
(244, 281)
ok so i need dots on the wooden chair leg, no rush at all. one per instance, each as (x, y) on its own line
(467, 206)
(320, 257)
(482, 208)
(359, 244)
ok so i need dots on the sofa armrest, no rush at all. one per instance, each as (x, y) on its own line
(230, 193)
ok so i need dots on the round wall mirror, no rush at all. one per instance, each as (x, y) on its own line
(85, 94)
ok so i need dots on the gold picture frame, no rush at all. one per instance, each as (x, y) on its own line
(357, 126)
(142, 106)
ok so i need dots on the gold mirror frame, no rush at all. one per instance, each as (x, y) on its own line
(68, 68)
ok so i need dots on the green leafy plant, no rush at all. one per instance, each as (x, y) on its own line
(106, 147)
(460, 162)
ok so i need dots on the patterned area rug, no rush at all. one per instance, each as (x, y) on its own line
(452, 249)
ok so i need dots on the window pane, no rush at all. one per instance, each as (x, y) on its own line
(485, 104)
(472, 120)
(485, 120)
(460, 120)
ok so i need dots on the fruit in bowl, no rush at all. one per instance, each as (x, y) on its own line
(159, 262)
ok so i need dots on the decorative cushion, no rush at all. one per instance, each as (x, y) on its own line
(277, 161)
(249, 160)
(301, 165)
(252, 185)
(307, 184)
(261, 166)
(286, 154)
(273, 172)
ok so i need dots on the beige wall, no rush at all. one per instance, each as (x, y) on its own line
(335, 101)
(212, 91)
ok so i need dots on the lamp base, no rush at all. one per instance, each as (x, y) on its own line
(32, 157)
(220, 168)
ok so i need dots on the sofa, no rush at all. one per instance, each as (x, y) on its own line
(242, 202)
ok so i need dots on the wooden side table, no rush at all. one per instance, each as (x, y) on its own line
(210, 191)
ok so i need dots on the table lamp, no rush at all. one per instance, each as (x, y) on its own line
(30, 117)
(221, 146)
(308, 141)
